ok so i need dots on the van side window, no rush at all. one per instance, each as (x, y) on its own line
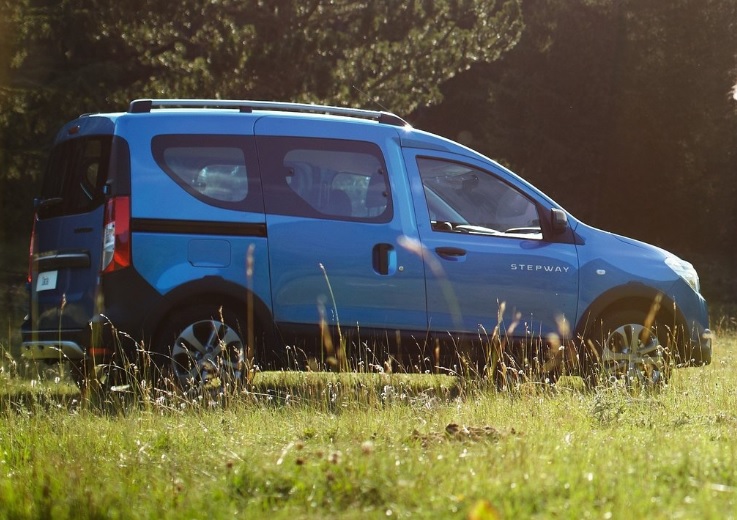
(325, 178)
(464, 199)
(219, 170)
(75, 176)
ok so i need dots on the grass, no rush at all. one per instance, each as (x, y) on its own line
(302, 445)
(13, 294)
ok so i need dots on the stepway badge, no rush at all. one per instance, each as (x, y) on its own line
(46, 281)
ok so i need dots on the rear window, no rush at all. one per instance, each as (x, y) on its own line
(325, 178)
(75, 176)
(217, 169)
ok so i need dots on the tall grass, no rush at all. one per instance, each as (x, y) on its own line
(352, 445)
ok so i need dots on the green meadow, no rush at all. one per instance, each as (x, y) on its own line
(329, 445)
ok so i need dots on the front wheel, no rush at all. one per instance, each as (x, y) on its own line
(632, 347)
(202, 349)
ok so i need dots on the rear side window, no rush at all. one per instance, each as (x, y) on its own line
(325, 178)
(217, 169)
(75, 176)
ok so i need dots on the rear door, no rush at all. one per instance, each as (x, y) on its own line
(68, 233)
(335, 230)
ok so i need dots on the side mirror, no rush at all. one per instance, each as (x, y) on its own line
(559, 219)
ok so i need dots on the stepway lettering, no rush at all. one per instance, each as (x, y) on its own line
(539, 267)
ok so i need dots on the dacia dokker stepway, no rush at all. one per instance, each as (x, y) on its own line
(216, 234)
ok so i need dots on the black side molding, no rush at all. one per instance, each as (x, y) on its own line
(198, 227)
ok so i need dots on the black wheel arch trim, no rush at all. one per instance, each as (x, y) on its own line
(209, 289)
(618, 297)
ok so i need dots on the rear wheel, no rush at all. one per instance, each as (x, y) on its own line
(203, 349)
(632, 347)
(105, 382)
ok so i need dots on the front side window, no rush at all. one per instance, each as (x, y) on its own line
(464, 199)
(217, 169)
(325, 178)
(75, 176)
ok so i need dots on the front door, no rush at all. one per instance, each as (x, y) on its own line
(489, 262)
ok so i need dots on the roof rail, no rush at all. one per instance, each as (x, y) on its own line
(139, 106)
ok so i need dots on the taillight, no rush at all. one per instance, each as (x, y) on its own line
(116, 252)
(30, 250)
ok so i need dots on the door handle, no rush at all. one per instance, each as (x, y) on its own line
(384, 258)
(450, 252)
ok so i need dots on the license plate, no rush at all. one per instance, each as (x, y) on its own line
(46, 281)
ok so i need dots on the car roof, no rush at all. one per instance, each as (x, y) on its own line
(102, 123)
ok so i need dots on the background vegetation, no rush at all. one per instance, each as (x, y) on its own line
(619, 109)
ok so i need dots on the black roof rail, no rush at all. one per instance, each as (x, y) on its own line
(139, 106)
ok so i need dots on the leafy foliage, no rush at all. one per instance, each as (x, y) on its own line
(100, 56)
(620, 110)
(63, 57)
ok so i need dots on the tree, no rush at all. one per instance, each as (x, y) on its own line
(673, 130)
(543, 108)
(620, 110)
(75, 56)
(17, 131)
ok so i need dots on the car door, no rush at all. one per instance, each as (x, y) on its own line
(334, 233)
(68, 234)
(487, 250)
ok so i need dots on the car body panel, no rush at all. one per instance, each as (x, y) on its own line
(323, 267)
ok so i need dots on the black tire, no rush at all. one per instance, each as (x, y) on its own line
(85, 374)
(103, 384)
(203, 348)
(627, 345)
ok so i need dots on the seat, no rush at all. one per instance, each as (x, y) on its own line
(376, 195)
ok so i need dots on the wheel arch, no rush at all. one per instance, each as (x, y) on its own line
(212, 290)
(633, 296)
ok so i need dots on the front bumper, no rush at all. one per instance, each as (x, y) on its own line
(696, 352)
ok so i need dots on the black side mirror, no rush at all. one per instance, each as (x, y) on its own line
(559, 219)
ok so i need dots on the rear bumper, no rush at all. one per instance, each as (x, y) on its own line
(97, 340)
(119, 327)
(51, 350)
(53, 345)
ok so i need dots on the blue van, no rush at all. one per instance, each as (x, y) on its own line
(217, 234)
